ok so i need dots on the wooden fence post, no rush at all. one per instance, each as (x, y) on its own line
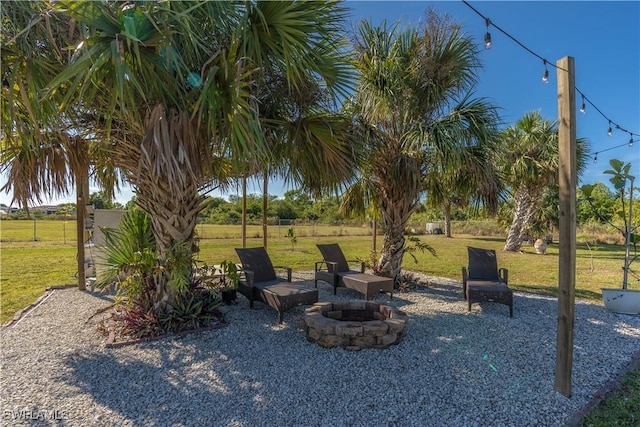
(567, 231)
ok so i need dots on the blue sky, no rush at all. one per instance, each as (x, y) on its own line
(602, 36)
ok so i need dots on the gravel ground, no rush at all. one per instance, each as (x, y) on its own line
(453, 367)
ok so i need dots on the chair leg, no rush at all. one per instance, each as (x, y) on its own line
(280, 316)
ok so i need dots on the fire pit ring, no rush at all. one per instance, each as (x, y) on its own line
(354, 325)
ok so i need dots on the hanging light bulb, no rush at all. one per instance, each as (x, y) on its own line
(609, 132)
(545, 75)
(583, 107)
(487, 35)
(595, 158)
(631, 141)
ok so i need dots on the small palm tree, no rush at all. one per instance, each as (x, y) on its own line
(529, 165)
(171, 89)
(413, 102)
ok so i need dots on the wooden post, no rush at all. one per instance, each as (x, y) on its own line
(265, 195)
(81, 200)
(567, 231)
(374, 244)
(244, 211)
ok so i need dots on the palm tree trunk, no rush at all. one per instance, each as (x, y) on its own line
(166, 174)
(392, 252)
(173, 220)
(525, 205)
(395, 216)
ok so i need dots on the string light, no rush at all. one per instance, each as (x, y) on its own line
(595, 155)
(487, 35)
(545, 79)
(545, 75)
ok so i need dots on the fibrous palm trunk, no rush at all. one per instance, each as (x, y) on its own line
(392, 254)
(393, 245)
(525, 209)
(398, 202)
(166, 174)
(174, 218)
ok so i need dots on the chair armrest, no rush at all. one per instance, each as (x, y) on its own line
(249, 275)
(465, 276)
(503, 273)
(319, 264)
(359, 262)
(287, 269)
(331, 266)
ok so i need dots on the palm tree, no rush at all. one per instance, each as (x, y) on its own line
(413, 99)
(360, 200)
(45, 153)
(529, 165)
(173, 89)
(475, 182)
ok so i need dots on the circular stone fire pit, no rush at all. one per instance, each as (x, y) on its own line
(354, 325)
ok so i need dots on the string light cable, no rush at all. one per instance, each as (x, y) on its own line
(545, 79)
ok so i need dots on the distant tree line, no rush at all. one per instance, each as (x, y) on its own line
(297, 205)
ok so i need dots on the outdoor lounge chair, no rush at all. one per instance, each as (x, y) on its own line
(484, 281)
(260, 283)
(334, 269)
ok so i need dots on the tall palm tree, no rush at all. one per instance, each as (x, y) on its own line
(360, 200)
(475, 182)
(414, 100)
(172, 87)
(529, 164)
(43, 152)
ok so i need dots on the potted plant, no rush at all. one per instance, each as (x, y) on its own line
(621, 300)
(539, 232)
(228, 278)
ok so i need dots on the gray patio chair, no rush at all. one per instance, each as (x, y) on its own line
(335, 270)
(261, 283)
(483, 281)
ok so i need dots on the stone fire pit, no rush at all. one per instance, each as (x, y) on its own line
(354, 325)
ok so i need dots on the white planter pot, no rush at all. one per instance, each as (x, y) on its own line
(626, 301)
(541, 246)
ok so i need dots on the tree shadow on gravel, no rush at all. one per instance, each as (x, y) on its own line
(255, 370)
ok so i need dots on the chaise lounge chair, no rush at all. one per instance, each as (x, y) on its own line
(260, 283)
(334, 269)
(483, 281)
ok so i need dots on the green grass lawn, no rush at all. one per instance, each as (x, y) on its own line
(28, 267)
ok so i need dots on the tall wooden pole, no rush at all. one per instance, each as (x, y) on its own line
(374, 244)
(567, 232)
(244, 211)
(265, 196)
(81, 199)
